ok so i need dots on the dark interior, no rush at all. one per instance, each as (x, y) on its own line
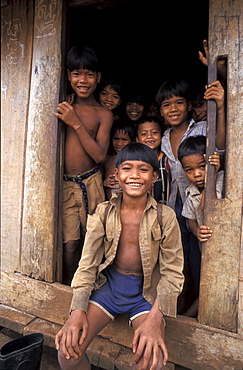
(146, 42)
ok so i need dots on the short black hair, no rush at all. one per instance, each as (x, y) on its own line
(123, 125)
(134, 96)
(150, 119)
(115, 82)
(192, 145)
(83, 58)
(137, 152)
(171, 88)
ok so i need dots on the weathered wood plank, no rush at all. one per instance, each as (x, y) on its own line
(184, 336)
(219, 289)
(39, 232)
(16, 50)
(44, 300)
(49, 329)
(200, 347)
(240, 306)
(14, 319)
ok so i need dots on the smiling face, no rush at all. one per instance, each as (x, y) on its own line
(109, 98)
(149, 133)
(194, 166)
(175, 110)
(83, 82)
(134, 110)
(135, 178)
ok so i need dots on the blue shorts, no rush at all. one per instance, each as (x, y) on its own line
(121, 294)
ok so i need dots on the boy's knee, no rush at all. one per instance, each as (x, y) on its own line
(71, 245)
(68, 364)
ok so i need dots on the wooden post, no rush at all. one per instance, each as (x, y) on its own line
(219, 289)
(16, 51)
(40, 217)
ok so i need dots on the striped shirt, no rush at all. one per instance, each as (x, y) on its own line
(179, 180)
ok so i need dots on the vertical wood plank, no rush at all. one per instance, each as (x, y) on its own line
(219, 289)
(16, 51)
(240, 308)
(40, 199)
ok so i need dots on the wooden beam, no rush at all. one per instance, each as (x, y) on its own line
(189, 343)
(16, 51)
(39, 228)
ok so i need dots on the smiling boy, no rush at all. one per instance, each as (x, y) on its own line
(87, 134)
(129, 265)
(174, 100)
(149, 132)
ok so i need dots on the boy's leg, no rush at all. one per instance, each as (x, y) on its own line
(71, 256)
(97, 320)
(139, 365)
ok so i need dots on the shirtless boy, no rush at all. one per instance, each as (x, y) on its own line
(87, 136)
(128, 265)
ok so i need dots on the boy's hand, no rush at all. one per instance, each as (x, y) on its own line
(203, 233)
(202, 57)
(214, 160)
(67, 339)
(67, 114)
(215, 91)
(148, 346)
(110, 182)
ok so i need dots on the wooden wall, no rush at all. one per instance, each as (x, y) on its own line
(32, 35)
(221, 278)
(31, 71)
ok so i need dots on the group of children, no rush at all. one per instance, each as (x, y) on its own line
(144, 204)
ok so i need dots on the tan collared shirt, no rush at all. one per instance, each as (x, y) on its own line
(162, 255)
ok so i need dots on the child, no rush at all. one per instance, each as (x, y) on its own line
(149, 132)
(191, 154)
(199, 103)
(121, 135)
(128, 265)
(87, 137)
(174, 99)
(111, 95)
(136, 105)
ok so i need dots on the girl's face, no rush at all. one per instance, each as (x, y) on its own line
(134, 110)
(119, 140)
(109, 98)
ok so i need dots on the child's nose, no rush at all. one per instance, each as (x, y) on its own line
(135, 173)
(197, 173)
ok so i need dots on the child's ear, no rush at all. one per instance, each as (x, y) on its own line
(155, 176)
(98, 77)
(137, 140)
(115, 173)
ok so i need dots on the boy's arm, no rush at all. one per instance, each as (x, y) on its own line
(148, 338)
(67, 339)
(202, 232)
(171, 263)
(215, 91)
(96, 148)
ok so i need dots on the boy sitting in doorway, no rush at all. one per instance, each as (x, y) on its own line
(87, 138)
(129, 265)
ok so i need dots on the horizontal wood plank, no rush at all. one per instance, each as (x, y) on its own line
(184, 336)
